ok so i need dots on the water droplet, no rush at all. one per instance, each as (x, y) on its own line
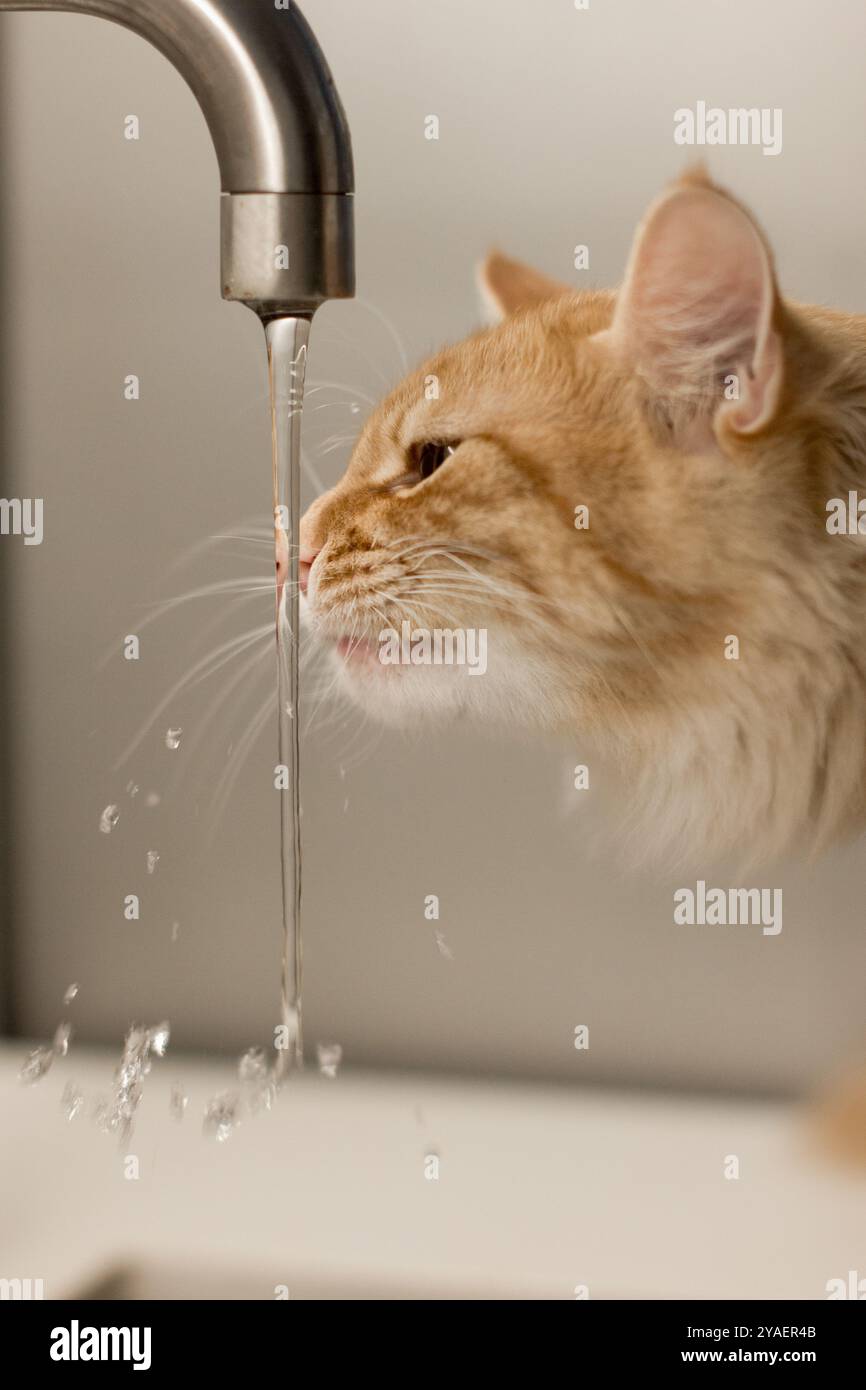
(345, 805)
(115, 1116)
(290, 711)
(175, 928)
(152, 860)
(158, 1037)
(36, 1064)
(72, 1100)
(354, 408)
(152, 799)
(132, 788)
(60, 1044)
(259, 1085)
(444, 949)
(70, 994)
(173, 738)
(108, 820)
(330, 1056)
(221, 1116)
(178, 1102)
(253, 1068)
(342, 770)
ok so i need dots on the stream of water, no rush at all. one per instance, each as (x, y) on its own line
(287, 340)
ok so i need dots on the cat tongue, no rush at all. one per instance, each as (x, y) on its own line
(355, 649)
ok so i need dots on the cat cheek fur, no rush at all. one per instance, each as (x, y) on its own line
(703, 422)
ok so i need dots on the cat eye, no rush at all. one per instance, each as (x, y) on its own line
(424, 459)
(429, 456)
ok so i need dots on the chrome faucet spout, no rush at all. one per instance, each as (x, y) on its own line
(280, 134)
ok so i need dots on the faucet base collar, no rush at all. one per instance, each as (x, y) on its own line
(287, 252)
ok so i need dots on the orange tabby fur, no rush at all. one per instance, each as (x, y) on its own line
(707, 519)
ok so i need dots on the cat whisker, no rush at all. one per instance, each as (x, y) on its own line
(327, 689)
(196, 548)
(352, 391)
(250, 540)
(246, 584)
(354, 760)
(232, 770)
(334, 444)
(238, 594)
(413, 545)
(204, 668)
(342, 336)
(221, 698)
(391, 330)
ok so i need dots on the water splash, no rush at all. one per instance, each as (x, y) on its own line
(330, 1056)
(40, 1061)
(221, 1116)
(257, 1080)
(35, 1065)
(178, 1102)
(152, 860)
(70, 994)
(72, 1100)
(108, 820)
(442, 946)
(117, 1114)
(173, 738)
(253, 1068)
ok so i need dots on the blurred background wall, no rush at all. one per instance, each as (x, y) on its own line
(555, 129)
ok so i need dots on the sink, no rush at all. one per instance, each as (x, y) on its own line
(538, 1192)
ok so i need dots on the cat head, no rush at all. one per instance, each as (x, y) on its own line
(575, 482)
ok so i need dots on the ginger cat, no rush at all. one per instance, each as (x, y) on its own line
(628, 492)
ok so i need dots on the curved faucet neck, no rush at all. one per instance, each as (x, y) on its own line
(280, 134)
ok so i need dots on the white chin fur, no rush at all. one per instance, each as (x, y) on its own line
(400, 695)
(509, 689)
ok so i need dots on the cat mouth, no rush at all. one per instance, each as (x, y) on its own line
(357, 651)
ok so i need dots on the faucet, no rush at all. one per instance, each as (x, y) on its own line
(280, 134)
(287, 244)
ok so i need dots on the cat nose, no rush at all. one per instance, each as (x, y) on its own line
(305, 564)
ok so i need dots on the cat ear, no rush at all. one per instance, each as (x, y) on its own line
(697, 312)
(506, 286)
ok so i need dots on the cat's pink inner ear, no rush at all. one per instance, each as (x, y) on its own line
(506, 286)
(696, 311)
